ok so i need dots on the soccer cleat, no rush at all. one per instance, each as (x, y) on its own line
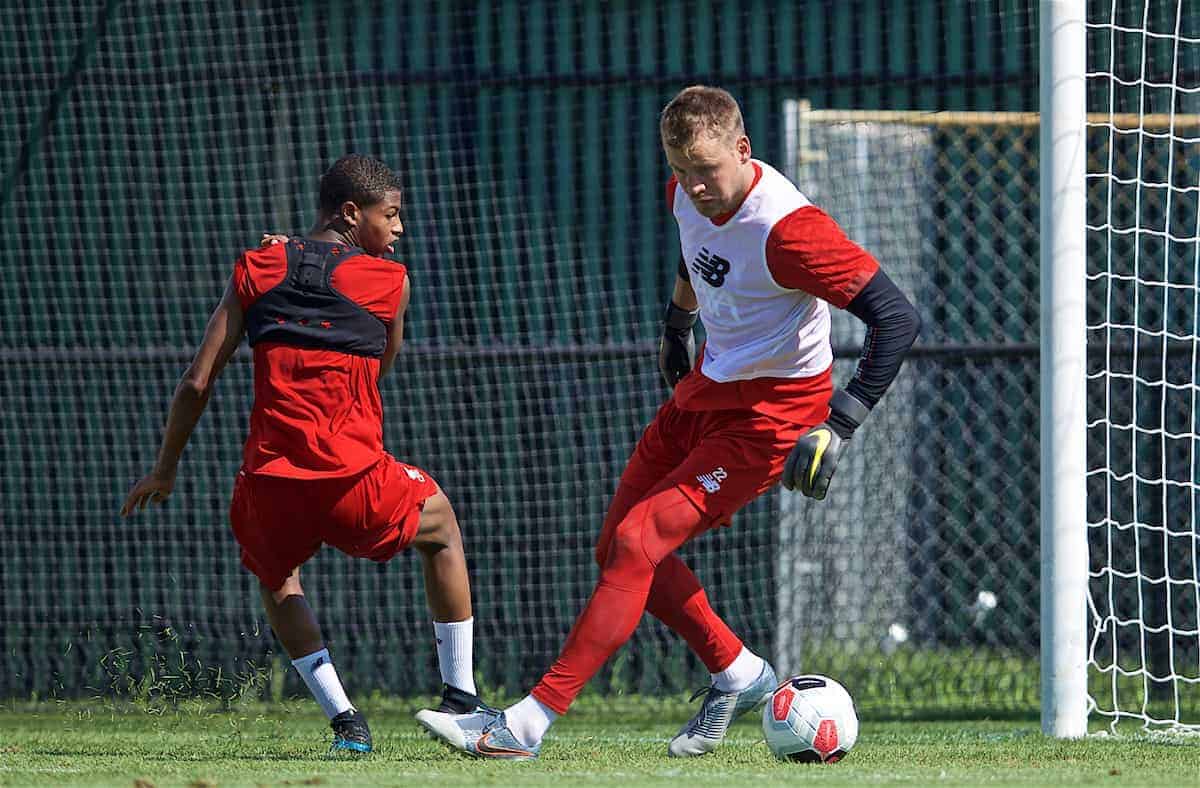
(705, 731)
(456, 701)
(483, 734)
(350, 733)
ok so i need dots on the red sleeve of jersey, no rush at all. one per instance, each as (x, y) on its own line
(807, 251)
(373, 283)
(671, 184)
(257, 271)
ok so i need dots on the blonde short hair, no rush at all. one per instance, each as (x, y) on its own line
(698, 111)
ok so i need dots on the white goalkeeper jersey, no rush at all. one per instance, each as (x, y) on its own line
(756, 327)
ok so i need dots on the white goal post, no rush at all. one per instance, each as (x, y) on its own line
(1064, 544)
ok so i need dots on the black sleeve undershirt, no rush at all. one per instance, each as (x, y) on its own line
(892, 327)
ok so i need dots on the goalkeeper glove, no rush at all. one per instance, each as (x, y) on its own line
(811, 464)
(677, 349)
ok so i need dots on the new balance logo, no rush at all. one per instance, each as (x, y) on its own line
(711, 267)
(414, 474)
(712, 481)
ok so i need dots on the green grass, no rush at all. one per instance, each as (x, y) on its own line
(599, 744)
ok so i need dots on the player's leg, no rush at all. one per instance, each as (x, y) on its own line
(448, 591)
(736, 461)
(678, 600)
(529, 719)
(740, 459)
(663, 445)
(654, 526)
(272, 521)
(676, 597)
(739, 681)
(394, 506)
(618, 601)
(290, 617)
(680, 507)
(297, 629)
(439, 543)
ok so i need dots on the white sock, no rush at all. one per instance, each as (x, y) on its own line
(318, 673)
(454, 650)
(529, 719)
(741, 673)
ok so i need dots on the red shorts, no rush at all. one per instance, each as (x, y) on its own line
(280, 523)
(720, 459)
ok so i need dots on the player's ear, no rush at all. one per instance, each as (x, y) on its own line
(350, 213)
(743, 148)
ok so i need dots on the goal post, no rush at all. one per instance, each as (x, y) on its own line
(1063, 187)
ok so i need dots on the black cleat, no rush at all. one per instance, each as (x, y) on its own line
(456, 701)
(350, 733)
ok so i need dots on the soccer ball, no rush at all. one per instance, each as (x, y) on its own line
(810, 719)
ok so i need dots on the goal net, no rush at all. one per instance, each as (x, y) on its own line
(1143, 376)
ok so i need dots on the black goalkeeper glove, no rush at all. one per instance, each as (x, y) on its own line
(677, 350)
(810, 466)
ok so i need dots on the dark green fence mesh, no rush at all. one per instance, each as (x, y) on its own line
(541, 254)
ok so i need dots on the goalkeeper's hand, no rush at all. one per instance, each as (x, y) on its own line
(810, 466)
(677, 349)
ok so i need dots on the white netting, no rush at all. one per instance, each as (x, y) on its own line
(1143, 347)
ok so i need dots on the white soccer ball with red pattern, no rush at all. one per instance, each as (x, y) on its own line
(810, 719)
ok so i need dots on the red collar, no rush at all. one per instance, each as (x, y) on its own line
(721, 219)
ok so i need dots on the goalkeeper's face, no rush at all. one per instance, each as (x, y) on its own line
(715, 173)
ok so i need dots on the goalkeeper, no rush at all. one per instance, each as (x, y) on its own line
(760, 264)
(325, 318)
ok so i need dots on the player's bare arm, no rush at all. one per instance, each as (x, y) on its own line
(396, 332)
(683, 295)
(221, 338)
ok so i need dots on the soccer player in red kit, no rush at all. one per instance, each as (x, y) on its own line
(761, 265)
(324, 315)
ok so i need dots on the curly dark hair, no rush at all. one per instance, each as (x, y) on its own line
(358, 179)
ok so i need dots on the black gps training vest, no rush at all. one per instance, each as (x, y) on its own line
(304, 310)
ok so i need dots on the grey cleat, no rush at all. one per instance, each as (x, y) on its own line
(705, 731)
(482, 734)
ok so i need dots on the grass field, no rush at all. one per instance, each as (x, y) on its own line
(284, 744)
